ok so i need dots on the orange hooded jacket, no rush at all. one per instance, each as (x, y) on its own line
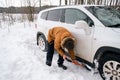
(57, 34)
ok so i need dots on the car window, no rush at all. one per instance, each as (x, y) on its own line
(44, 15)
(73, 15)
(108, 16)
(54, 15)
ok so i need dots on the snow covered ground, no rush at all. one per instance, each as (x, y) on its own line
(21, 59)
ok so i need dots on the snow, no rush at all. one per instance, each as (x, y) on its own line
(21, 58)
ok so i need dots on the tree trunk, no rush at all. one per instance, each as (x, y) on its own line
(60, 3)
(116, 3)
(76, 2)
(110, 2)
(40, 4)
(66, 2)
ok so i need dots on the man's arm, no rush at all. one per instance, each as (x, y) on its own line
(72, 54)
(74, 61)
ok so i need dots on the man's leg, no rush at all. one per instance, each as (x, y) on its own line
(60, 62)
(50, 53)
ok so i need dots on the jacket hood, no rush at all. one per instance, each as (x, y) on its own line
(67, 39)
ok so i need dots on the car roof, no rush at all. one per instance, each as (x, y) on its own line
(69, 6)
(79, 5)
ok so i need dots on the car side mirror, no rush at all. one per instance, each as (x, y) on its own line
(83, 25)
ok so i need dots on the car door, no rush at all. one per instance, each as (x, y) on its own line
(53, 18)
(49, 19)
(84, 41)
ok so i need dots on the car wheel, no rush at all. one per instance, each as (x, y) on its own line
(109, 67)
(42, 43)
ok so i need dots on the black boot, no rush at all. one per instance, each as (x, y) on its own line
(62, 66)
(48, 63)
(60, 62)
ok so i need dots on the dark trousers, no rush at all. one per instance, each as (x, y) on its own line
(50, 53)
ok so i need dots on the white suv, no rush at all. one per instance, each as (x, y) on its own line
(97, 30)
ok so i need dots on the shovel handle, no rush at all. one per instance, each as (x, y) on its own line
(68, 60)
(81, 65)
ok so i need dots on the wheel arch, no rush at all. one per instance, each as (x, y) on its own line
(38, 34)
(46, 43)
(105, 50)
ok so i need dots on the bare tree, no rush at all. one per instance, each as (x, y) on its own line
(76, 1)
(60, 2)
(104, 2)
(10, 19)
(79, 1)
(98, 1)
(110, 2)
(40, 4)
(30, 4)
(116, 3)
(66, 2)
(93, 1)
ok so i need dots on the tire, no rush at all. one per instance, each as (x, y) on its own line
(42, 42)
(109, 67)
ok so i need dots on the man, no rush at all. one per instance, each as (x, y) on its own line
(60, 39)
